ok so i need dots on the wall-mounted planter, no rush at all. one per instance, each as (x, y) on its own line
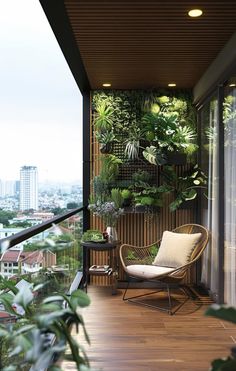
(106, 148)
(188, 205)
(141, 209)
(176, 158)
(127, 202)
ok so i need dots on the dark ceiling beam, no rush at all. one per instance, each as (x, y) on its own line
(57, 17)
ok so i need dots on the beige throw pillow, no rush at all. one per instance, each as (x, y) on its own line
(176, 249)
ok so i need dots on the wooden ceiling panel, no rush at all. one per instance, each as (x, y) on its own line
(145, 44)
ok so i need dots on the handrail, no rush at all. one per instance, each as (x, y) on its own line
(13, 240)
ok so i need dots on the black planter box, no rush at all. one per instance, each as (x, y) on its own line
(191, 204)
(107, 148)
(127, 202)
(176, 158)
(142, 209)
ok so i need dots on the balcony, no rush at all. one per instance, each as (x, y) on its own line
(126, 336)
(142, 47)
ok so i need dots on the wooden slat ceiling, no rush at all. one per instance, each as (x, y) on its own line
(145, 44)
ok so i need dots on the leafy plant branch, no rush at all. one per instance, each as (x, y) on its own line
(28, 335)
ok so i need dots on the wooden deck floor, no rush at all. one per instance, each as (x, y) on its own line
(130, 337)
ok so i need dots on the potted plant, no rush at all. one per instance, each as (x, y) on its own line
(169, 136)
(105, 140)
(116, 197)
(103, 117)
(182, 145)
(148, 198)
(183, 187)
(127, 197)
(92, 235)
(109, 168)
(132, 143)
(109, 213)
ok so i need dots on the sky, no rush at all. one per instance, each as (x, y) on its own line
(40, 103)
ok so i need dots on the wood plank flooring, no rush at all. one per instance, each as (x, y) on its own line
(129, 337)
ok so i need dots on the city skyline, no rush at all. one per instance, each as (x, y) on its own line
(41, 105)
(16, 178)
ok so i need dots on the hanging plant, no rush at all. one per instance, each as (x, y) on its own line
(105, 140)
(183, 187)
(103, 118)
(132, 143)
(132, 149)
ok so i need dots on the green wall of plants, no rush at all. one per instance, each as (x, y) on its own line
(144, 136)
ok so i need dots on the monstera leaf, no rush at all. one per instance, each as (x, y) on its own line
(150, 154)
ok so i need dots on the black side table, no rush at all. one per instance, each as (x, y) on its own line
(112, 261)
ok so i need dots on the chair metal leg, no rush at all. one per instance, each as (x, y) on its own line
(124, 294)
(187, 297)
(133, 299)
(169, 299)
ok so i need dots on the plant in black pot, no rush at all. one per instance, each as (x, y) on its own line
(182, 144)
(104, 122)
(106, 139)
(149, 198)
(127, 197)
(185, 188)
(132, 143)
(169, 138)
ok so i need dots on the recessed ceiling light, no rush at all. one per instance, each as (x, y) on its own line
(172, 84)
(195, 13)
(106, 85)
(232, 85)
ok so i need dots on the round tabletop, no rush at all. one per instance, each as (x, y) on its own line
(102, 246)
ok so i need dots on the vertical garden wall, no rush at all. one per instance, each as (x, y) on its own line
(144, 147)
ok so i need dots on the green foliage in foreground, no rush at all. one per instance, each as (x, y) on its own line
(5, 216)
(28, 336)
(227, 314)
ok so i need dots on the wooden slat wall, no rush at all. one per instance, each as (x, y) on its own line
(137, 229)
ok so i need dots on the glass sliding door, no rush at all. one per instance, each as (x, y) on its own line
(209, 196)
(229, 117)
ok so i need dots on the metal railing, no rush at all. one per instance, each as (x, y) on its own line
(76, 277)
(19, 237)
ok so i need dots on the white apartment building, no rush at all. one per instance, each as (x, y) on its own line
(28, 188)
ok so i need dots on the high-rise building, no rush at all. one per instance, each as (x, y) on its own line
(28, 188)
(17, 188)
(7, 188)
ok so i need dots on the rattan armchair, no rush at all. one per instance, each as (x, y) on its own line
(135, 259)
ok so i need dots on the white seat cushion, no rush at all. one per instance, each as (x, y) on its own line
(147, 271)
(176, 249)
